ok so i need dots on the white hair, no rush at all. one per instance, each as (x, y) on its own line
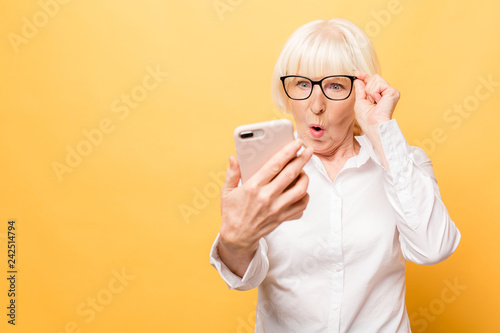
(321, 48)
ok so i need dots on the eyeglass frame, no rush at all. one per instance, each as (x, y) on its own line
(319, 83)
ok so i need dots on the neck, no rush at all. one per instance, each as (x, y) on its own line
(335, 160)
(348, 148)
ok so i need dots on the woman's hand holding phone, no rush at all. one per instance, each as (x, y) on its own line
(277, 192)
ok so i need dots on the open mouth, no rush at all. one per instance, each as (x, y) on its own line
(316, 130)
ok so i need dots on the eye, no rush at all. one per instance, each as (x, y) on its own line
(303, 84)
(335, 86)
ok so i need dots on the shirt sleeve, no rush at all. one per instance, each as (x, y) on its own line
(255, 273)
(426, 232)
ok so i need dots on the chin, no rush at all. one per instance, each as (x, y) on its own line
(314, 144)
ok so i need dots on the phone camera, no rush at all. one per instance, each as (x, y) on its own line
(245, 135)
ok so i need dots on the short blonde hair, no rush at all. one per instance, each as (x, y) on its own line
(324, 47)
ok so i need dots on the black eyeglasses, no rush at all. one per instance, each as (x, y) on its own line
(334, 87)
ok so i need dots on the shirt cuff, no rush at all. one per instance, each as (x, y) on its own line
(255, 273)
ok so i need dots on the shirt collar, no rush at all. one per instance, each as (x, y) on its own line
(368, 149)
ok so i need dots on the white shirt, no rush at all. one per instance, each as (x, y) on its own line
(341, 266)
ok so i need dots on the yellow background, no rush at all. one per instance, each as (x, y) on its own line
(119, 209)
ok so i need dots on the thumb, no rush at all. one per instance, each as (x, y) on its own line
(232, 175)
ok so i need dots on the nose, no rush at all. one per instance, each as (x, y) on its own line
(317, 100)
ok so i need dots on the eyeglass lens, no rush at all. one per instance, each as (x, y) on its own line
(336, 87)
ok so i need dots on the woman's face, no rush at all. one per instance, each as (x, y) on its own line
(323, 124)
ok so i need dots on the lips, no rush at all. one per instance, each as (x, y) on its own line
(316, 130)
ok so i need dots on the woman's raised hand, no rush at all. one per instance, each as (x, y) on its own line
(375, 100)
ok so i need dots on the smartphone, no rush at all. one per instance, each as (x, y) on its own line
(257, 143)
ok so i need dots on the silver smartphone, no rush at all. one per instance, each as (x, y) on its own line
(257, 143)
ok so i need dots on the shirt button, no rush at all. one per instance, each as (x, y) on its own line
(338, 268)
(336, 230)
(335, 307)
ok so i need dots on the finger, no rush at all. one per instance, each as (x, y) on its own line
(291, 212)
(359, 89)
(376, 87)
(294, 192)
(296, 210)
(381, 87)
(276, 163)
(361, 75)
(290, 172)
(233, 176)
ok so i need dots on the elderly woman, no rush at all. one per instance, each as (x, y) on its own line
(324, 229)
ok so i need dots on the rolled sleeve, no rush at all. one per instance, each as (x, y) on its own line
(412, 185)
(427, 233)
(255, 273)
